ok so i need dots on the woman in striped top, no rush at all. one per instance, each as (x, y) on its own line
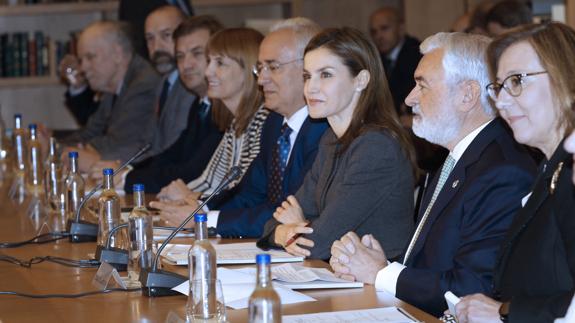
(231, 54)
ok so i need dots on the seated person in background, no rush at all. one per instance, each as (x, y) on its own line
(232, 53)
(206, 122)
(534, 280)
(80, 100)
(507, 14)
(276, 172)
(115, 130)
(362, 177)
(470, 204)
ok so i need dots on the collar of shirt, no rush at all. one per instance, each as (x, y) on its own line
(172, 77)
(295, 122)
(119, 88)
(462, 145)
(206, 101)
(394, 53)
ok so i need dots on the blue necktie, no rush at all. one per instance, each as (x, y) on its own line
(279, 163)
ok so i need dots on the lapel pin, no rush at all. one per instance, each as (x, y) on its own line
(555, 178)
(455, 183)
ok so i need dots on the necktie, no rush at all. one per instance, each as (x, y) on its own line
(163, 96)
(445, 171)
(203, 111)
(279, 163)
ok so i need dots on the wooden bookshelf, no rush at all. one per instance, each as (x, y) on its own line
(25, 81)
(58, 8)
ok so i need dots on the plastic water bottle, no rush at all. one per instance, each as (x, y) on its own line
(202, 264)
(140, 231)
(4, 146)
(264, 303)
(35, 173)
(74, 184)
(53, 185)
(109, 214)
(19, 144)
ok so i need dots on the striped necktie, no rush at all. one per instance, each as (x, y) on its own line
(279, 163)
(445, 171)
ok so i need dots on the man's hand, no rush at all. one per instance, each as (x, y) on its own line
(176, 190)
(357, 259)
(87, 156)
(96, 169)
(285, 232)
(477, 308)
(289, 211)
(71, 73)
(173, 212)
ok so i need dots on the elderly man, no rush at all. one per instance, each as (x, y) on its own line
(243, 211)
(470, 204)
(128, 82)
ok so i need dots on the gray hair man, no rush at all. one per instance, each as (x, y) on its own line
(470, 204)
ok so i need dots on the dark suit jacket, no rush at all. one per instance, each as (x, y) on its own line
(82, 105)
(246, 212)
(189, 155)
(536, 268)
(457, 247)
(121, 126)
(401, 80)
(368, 188)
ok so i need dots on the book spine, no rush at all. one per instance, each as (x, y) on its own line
(32, 55)
(24, 54)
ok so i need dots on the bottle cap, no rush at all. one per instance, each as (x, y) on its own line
(32, 126)
(17, 116)
(138, 187)
(263, 258)
(108, 171)
(73, 154)
(201, 217)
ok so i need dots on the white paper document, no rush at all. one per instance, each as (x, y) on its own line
(386, 314)
(237, 288)
(227, 254)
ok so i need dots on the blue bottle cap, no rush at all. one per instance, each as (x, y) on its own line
(263, 258)
(18, 115)
(73, 154)
(108, 171)
(32, 126)
(201, 217)
(138, 187)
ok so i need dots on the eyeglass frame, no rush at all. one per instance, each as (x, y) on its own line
(491, 86)
(272, 67)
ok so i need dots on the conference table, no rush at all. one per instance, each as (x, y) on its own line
(18, 223)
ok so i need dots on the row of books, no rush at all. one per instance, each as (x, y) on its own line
(24, 54)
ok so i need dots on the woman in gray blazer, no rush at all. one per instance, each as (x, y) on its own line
(363, 176)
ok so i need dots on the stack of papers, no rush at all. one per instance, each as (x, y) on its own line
(237, 288)
(228, 254)
(386, 314)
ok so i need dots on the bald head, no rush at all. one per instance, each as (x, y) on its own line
(105, 51)
(159, 27)
(386, 28)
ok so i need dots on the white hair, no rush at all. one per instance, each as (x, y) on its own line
(303, 28)
(464, 59)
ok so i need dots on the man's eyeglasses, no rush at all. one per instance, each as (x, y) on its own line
(513, 84)
(272, 67)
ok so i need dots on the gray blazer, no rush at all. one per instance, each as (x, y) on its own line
(120, 127)
(174, 117)
(367, 189)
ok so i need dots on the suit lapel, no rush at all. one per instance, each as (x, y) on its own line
(297, 155)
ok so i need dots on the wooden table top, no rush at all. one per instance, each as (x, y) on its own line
(49, 278)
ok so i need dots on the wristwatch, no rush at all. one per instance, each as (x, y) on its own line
(504, 312)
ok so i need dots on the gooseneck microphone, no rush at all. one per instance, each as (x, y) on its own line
(159, 282)
(84, 231)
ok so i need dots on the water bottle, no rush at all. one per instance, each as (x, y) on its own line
(264, 303)
(53, 178)
(19, 144)
(202, 264)
(109, 214)
(74, 185)
(140, 230)
(35, 174)
(4, 145)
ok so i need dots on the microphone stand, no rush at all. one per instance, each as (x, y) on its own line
(156, 282)
(84, 231)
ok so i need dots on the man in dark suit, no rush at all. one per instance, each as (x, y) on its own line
(470, 204)
(243, 211)
(128, 82)
(192, 150)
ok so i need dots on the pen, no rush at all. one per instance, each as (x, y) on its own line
(295, 236)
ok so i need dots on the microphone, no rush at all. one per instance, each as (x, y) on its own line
(84, 231)
(157, 282)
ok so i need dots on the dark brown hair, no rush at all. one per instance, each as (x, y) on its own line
(242, 46)
(192, 24)
(554, 43)
(375, 107)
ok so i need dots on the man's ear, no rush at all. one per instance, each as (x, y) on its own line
(362, 80)
(470, 95)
